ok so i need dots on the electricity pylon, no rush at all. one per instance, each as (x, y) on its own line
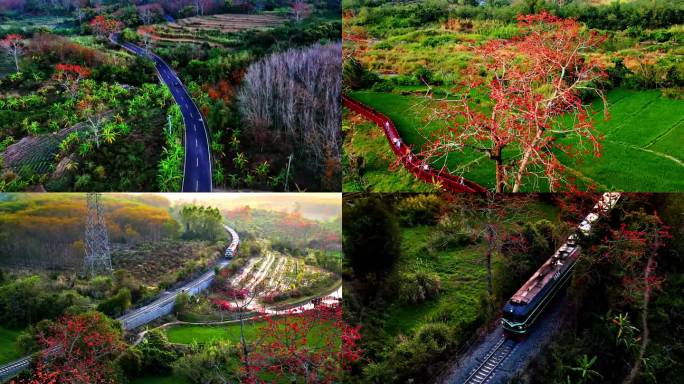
(97, 254)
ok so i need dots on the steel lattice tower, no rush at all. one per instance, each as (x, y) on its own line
(97, 254)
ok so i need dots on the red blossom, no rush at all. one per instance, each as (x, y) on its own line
(536, 79)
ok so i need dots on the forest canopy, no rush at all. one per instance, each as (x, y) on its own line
(56, 223)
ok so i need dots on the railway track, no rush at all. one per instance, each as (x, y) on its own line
(137, 317)
(419, 168)
(492, 361)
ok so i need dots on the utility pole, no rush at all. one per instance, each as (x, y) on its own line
(287, 174)
(97, 253)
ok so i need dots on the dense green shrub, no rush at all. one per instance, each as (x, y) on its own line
(371, 236)
(422, 209)
(158, 355)
(117, 304)
(413, 359)
(208, 364)
(356, 76)
(131, 361)
(416, 287)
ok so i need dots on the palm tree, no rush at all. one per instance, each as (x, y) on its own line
(584, 368)
(109, 133)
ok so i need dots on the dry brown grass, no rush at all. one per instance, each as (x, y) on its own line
(224, 23)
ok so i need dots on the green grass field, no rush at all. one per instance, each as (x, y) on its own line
(641, 151)
(28, 24)
(9, 350)
(187, 334)
(461, 271)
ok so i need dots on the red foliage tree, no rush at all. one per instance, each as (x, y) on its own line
(633, 250)
(104, 27)
(537, 79)
(78, 350)
(69, 76)
(316, 346)
(13, 44)
(148, 35)
(300, 9)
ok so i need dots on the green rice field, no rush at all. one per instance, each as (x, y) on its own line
(187, 334)
(641, 151)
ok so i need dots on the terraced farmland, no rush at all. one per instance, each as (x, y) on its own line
(210, 29)
(281, 279)
(36, 154)
(641, 150)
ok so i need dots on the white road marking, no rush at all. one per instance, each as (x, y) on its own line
(195, 142)
(197, 187)
(197, 162)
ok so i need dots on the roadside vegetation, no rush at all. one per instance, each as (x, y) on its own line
(46, 300)
(413, 61)
(78, 113)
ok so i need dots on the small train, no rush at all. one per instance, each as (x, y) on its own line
(232, 248)
(164, 304)
(526, 305)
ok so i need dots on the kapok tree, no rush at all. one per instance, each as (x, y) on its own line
(103, 27)
(148, 35)
(78, 349)
(300, 9)
(489, 217)
(69, 76)
(535, 86)
(14, 46)
(315, 346)
(633, 250)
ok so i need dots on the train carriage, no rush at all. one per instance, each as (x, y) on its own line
(526, 305)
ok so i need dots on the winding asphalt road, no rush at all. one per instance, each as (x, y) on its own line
(197, 171)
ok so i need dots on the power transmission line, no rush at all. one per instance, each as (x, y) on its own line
(98, 258)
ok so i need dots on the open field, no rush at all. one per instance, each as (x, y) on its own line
(8, 347)
(283, 279)
(208, 29)
(461, 271)
(30, 23)
(640, 151)
(187, 334)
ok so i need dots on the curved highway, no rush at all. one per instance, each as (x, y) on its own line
(418, 167)
(197, 171)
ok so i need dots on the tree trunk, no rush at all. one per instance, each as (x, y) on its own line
(16, 60)
(490, 249)
(645, 338)
(243, 342)
(495, 154)
(525, 160)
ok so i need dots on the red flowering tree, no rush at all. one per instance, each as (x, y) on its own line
(488, 216)
(14, 46)
(78, 349)
(300, 9)
(103, 27)
(315, 346)
(148, 35)
(536, 80)
(70, 76)
(634, 250)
